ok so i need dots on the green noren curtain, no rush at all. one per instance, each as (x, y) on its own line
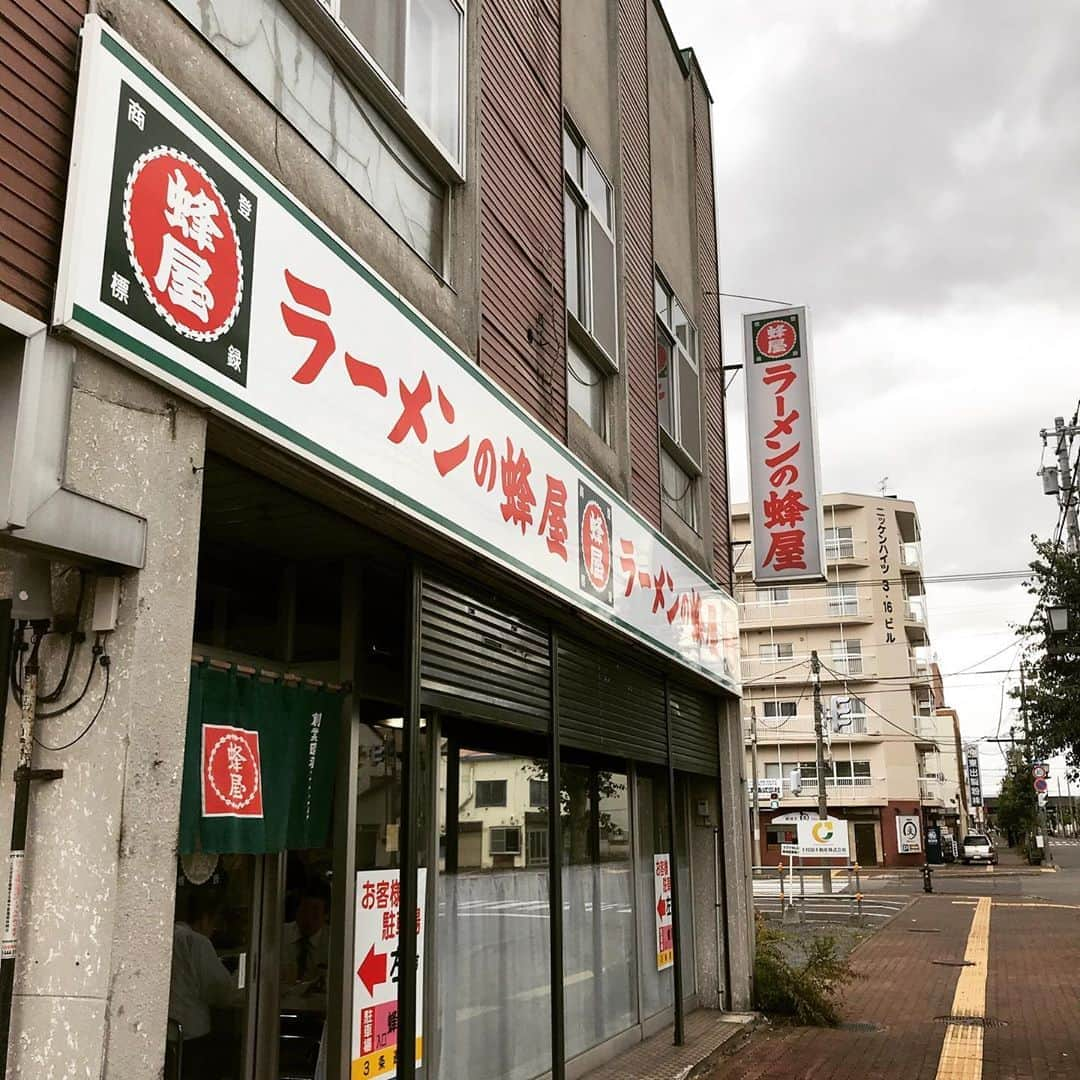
(259, 764)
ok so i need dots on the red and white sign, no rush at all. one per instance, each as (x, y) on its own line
(596, 546)
(375, 989)
(776, 339)
(339, 370)
(665, 932)
(785, 485)
(231, 772)
(183, 244)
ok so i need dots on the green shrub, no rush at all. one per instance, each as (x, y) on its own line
(808, 993)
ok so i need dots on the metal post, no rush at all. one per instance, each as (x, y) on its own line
(819, 735)
(17, 856)
(1040, 811)
(410, 799)
(676, 903)
(754, 792)
(858, 892)
(555, 904)
(1066, 495)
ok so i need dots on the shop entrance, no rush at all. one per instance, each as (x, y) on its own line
(866, 843)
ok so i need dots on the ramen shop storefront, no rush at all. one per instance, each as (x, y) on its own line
(461, 764)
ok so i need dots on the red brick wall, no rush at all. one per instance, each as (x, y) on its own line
(38, 40)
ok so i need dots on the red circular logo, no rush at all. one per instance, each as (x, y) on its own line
(183, 244)
(232, 771)
(595, 546)
(775, 339)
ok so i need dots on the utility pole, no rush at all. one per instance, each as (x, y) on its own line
(1030, 759)
(1064, 433)
(754, 793)
(819, 735)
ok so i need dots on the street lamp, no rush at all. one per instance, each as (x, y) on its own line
(1058, 618)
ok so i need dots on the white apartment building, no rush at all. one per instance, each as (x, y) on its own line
(891, 755)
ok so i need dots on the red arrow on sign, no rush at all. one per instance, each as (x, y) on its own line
(372, 970)
(661, 907)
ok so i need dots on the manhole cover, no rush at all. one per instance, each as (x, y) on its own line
(923, 930)
(860, 1025)
(972, 1021)
(954, 963)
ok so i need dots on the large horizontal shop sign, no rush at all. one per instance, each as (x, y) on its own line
(184, 259)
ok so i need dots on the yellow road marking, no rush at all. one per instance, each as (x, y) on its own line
(1032, 903)
(962, 1052)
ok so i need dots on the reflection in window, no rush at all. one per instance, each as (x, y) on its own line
(678, 489)
(678, 390)
(585, 388)
(266, 44)
(600, 979)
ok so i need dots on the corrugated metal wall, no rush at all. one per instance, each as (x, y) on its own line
(478, 659)
(610, 706)
(637, 282)
(522, 291)
(695, 740)
(38, 40)
(711, 357)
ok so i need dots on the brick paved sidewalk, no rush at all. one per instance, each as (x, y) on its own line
(1033, 983)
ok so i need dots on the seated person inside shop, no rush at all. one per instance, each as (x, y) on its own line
(305, 944)
(200, 984)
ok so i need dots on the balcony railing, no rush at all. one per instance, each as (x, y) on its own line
(800, 728)
(757, 610)
(836, 551)
(920, 666)
(911, 555)
(795, 669)
(915, 610)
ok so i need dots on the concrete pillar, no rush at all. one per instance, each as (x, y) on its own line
(92, 980)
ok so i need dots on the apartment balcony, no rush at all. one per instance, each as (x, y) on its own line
(806, 610)
(911, 556)
(932, 790)
(841, 552)
(794, 670)
(780, 788)
(800, 729)
(920, 667)
(925, 728)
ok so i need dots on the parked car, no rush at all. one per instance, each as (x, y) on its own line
(977, 848)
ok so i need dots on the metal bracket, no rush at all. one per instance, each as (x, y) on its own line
(39, 774)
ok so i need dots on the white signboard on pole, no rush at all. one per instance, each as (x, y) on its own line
(908, 834)
(665, 934)
(375, 987)
(781, 431)
(183, 258)
(823, 838)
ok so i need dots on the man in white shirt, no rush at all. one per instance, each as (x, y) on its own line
(200, 981)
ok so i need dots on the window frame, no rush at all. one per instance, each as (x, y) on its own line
(450, 162)
(665, 324)
(582, 325)
(843, 546)
(842, 597)
(779, 712)
(543, 802)
(774, 656)
(503, 831)
(489, 805)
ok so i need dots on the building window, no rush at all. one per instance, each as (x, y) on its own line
(678, 489)
(537, 847)
(586, 389)
(416, 46)
(505, 841)
(678, 390)
(777, 650)
(490, 793)
(851, 774)
(774, 595)
(776, 710)
(808, 772)
(852, 721)
(839, 543)
(843, 598)
(588, 212)
(847, 656)
(538, 793)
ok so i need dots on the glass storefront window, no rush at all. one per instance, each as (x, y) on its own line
(494, 951)
(599, 973)
(653, 837)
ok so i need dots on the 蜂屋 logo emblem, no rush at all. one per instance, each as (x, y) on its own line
(183, 244)
(231, 772)
(776, 339)
(595, 547)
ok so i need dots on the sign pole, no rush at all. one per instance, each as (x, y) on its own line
(754, 794)
(819, 735)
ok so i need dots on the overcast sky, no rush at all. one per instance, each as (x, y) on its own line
(910, 170)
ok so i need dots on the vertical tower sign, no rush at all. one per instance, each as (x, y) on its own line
(785, 484)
